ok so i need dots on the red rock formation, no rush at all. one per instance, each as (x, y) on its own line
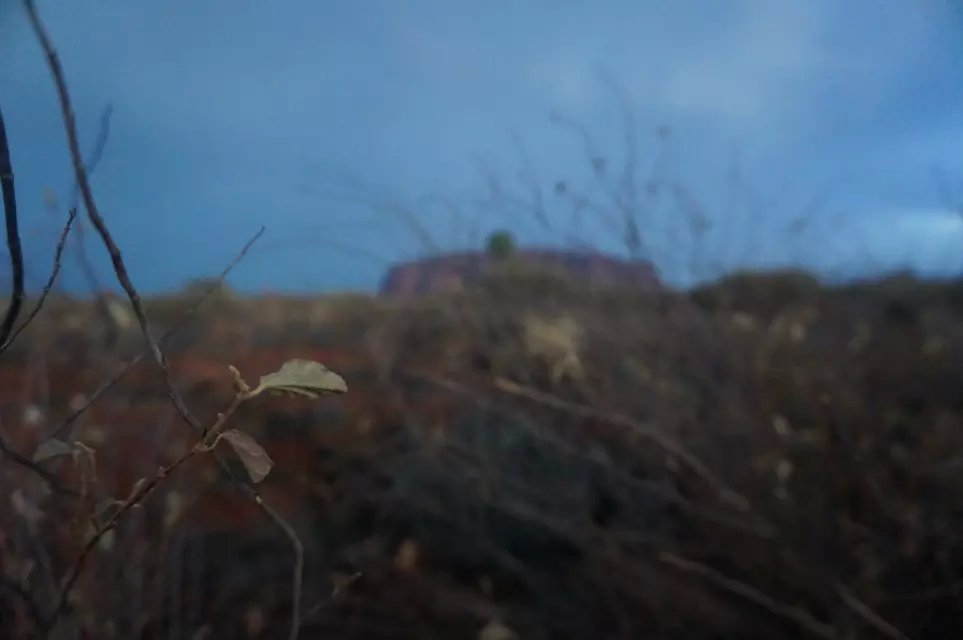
(454, 271)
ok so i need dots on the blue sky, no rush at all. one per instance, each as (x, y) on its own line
(803, 133)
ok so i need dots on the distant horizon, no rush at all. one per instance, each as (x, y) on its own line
(114, 290)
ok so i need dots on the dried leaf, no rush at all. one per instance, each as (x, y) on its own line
(52, 448)
(303, 377)
(406, 557)
(107, 541)
(255, 458)
(88, 454)
(496, 630)
(173, 507)
(85, 459)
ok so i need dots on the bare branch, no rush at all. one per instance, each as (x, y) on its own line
(760, 530)
(870, 616)
(355, 191)
(48, 287)
(167, 335)
(627, 200)
(532, 182)
(137, 496)
(623, 192)
(90, 274)
(669, 446)
(32, 607)
(789, 612)
(27, 463)
(92, 162)
(103, 134)
(298, 572)
(124, 279)
(120, 269)
(13, 235)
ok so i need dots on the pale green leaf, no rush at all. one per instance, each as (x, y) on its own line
(303, 377)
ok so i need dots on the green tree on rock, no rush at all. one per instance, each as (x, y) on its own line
(500, 245)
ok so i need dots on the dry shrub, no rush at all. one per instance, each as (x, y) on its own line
(463, 484)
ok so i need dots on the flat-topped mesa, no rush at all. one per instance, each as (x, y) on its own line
(455, 271)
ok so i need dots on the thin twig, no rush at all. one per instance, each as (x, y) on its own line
(96, 154)
(140, 492)
(86, 267)
(93, 282)
(76, 414)
(671, 447)
(950, 590)
(13, 235)
(165, 337)
(27, 463)
(32, 607)
(95, 157)
(338, 588)
(760, 529)
(80, 172)
(41, 555)
(123, 277)
(298, 547)
(786, 611)
(103, 134)
(48, 287)
(866, 613)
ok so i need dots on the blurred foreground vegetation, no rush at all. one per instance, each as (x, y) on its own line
(529, 458)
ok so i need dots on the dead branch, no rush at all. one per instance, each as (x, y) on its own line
(758, 530)
(138, 495)
(75, 415)
(86, 267)
(871, 617)
(355, 191)
(625, 196)
(13, 236)
(123, 277)
(48, 287)
(297, 576)
(27, 463)
(164, 338)
(668, 445)
(786, 611)
(80, 173)
(32, 607)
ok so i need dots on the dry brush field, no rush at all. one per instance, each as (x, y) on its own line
(528, 458)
